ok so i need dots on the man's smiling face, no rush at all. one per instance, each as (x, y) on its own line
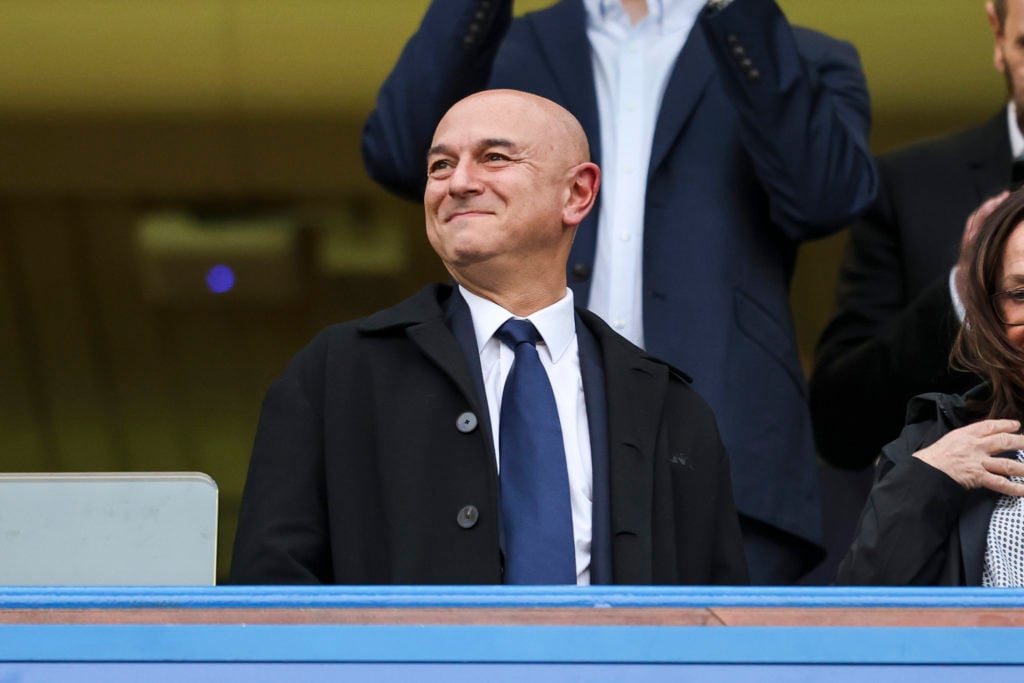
(497, 179)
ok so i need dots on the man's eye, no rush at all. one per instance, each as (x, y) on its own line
(495, 156)
(438, 165)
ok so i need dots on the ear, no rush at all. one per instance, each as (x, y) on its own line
(585, 181)
(998, 58)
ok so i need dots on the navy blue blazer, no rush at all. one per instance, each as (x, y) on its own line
(761, 143)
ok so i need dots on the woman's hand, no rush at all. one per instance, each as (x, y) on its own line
(966, 456)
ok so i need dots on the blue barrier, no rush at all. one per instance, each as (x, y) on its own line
(32, 652)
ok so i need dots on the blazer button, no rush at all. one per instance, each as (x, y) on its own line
(468, 517)
(753, 75)
(580, 272)
(466, 422)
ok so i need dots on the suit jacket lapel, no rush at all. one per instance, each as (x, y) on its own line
(693, 68)
(562, 37)
(991, 158)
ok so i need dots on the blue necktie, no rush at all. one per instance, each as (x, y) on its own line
(535, 508)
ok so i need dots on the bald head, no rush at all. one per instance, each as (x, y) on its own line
(552, 124)
(509, 179)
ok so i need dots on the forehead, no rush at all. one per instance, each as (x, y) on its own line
(479, 119)
(1014, 15)
(1013, 254)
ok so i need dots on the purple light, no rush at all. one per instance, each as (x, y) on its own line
(220, 279)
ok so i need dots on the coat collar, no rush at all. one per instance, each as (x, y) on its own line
(935, 415)
(424, 306)
(423, 319)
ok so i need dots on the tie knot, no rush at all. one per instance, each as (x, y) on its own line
(514, 332)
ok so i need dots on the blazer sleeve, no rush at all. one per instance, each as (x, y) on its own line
(283, 535)
(804, 115)
(881, 348)
(449, 57)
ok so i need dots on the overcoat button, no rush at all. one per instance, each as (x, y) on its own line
(468, 517)
(580, 272)
(466, 422)
(753, 75)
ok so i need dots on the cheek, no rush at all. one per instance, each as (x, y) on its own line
(432, 197)
(1015, 335)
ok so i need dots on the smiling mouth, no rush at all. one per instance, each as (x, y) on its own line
(467, 214)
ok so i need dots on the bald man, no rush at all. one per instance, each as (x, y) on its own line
(384, 454)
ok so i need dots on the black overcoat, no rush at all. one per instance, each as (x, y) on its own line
(363, 465)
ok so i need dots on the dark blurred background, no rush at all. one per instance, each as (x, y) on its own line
(182, 205)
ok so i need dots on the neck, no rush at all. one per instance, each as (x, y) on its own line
(522, 300)
(635, 10)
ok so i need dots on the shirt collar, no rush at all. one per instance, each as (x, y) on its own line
(599, 11)
(556, 323)
(1016, 137)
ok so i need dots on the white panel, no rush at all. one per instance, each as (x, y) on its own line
(107, 529)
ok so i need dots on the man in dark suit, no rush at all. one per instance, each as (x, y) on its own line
(723, 147)
(385, 453)
(891, 336)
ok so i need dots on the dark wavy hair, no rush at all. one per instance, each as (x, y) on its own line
(981, 345)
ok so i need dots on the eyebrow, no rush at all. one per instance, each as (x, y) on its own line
(486, 143)
(1013, 280)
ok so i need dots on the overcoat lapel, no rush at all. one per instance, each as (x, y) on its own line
(595, 396)
(460, 321)
(422, 316)
(636, 391)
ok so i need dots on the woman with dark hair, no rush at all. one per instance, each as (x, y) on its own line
(946, 507)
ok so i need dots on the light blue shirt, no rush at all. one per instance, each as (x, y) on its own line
(632, 65)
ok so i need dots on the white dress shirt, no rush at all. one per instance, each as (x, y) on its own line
(632, 65)
(1016, 137)
(559, 354)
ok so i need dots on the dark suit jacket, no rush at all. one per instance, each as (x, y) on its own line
(891, 337)
(365, 458)
(761, 142)
(919, 527)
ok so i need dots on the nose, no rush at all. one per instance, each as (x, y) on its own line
(465, 180)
